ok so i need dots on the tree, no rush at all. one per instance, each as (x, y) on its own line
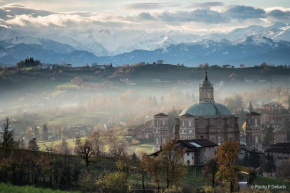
(254, 159)
(289, 103)
(269, 163)
(32, 145)
(234, 102)
(172, 164)
(63, 148)
(268, 139)
(114, 182)
(167, 165)
(7, 140)
(36, 132)
(85, 152)
(153, 168)
(226, 157)
(142, 169)
(210, 169)
(283, 170)
(44, 133)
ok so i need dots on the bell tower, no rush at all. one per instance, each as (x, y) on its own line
(206, 92)
(161, 132)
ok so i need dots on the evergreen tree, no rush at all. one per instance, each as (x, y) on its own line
(44, 133)
(289, 103)
(162, 99)
(268, 139)
(32, 145)
(251, 109)
(6, 140)
(254, 159)
(36, 132)
(63, 148)
(269, 164)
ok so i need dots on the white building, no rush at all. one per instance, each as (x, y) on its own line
(198, 151)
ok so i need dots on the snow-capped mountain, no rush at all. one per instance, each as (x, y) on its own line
(128, 46)
(113, 42)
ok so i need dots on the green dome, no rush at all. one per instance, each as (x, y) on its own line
(207, 109)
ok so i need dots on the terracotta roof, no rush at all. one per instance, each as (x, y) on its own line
(160, 115)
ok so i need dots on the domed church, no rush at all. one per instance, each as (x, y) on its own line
(204, 120)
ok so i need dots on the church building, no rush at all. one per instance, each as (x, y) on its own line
(204, 120)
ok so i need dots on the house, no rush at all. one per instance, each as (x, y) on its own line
(142, 131)
(160, 62)
(198, 151)
(280, 152)
(228, 66)
(273, 114)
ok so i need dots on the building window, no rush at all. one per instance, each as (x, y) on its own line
(219, 140)
(187, 153)
(256, 139)
(183, 123)
(200, 122)
(163, 122)
(219, 122)
(189, 123)
(157, 141)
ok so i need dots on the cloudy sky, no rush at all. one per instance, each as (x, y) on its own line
(190, 15)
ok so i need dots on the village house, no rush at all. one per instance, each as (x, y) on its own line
(280, 152)
(197, 151)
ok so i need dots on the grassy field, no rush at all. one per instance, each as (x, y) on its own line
(147, 148)
(71, 143)
(86, 118)
(5, 188)
(272, 181)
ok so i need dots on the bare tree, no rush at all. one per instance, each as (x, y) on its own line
(85, 151)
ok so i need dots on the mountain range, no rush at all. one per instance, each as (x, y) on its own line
(250, 45)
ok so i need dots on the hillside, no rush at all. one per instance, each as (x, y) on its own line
(4, 188)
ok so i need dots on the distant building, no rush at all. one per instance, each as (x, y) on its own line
(160, 62)
(205, 120)
(227, 66)
(280, 152)
(198, 151)
(142, 131)
(273, 114)
(254, 132)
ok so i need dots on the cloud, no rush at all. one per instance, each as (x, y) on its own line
(199, 15)
(204, 17)
(20, 9)
(207, 4)
(145, 16)
(280, 15)
(242, 12)
(146, 6)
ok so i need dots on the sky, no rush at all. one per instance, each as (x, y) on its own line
(198, 16)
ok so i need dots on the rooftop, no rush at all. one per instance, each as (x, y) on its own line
(207, 109)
